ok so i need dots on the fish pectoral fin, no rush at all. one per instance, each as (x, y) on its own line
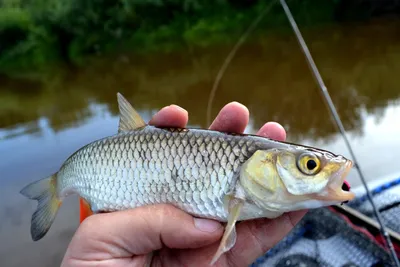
(129, 118)
(84, 210)
(149, 259)
(227, 242)
(229, 238)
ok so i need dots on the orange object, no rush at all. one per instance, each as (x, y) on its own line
(84, 209)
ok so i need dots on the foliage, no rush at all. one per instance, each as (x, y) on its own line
(36, 33)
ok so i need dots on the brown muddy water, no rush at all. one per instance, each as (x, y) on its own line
(42, 122)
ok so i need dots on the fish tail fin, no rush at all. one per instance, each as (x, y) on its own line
(45, 192)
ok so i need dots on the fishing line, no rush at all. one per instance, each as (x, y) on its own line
(229, 58)
(339, 124)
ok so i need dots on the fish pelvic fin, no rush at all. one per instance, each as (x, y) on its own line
(45, 192)
(84, 209)
(129, 118)
(229, 238)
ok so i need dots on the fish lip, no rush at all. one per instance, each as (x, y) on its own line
(347, 167)
(334, 191)
(339, 195)
(338, 179)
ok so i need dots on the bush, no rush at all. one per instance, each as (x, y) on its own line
(35, 33)
(15, 27)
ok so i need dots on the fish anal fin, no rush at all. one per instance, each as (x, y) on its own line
(229, 238)
(84, 210)
(129, 118)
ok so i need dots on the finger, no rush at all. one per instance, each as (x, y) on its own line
(273, 130)
(255, 237)
(140, 231)
(261, 235)
(170, 116)
(233, 117)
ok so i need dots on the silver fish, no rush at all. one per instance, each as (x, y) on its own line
(208, 174)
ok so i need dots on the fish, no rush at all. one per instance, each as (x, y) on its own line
(223, 176)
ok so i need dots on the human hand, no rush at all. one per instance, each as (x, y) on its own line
(125, 238)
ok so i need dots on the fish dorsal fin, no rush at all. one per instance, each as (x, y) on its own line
(129, 119)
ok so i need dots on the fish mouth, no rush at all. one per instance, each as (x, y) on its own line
(334, 191)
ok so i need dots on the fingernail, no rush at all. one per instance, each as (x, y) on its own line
(206, 225)
(178, 107)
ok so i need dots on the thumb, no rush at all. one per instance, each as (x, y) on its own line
(140, 231)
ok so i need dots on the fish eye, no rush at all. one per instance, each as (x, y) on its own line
(308, 164)
(311, 164)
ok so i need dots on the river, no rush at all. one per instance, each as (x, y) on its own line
(43, 121)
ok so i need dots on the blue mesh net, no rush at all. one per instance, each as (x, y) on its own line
(325, 238)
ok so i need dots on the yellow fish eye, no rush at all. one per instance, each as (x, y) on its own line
(308, 164)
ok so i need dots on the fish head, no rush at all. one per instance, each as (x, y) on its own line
(295, 178)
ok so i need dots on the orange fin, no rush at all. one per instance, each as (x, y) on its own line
(84, 209)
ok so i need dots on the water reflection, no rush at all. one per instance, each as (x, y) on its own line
(43, 121)
(269, 75)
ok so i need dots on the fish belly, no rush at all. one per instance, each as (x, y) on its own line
(192, 170)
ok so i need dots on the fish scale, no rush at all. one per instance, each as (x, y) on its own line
(191, 169)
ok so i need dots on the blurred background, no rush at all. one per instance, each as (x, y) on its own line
(62, 63)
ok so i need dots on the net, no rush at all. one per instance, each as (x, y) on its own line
(326, 238)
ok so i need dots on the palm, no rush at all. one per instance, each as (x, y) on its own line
(254, 239)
